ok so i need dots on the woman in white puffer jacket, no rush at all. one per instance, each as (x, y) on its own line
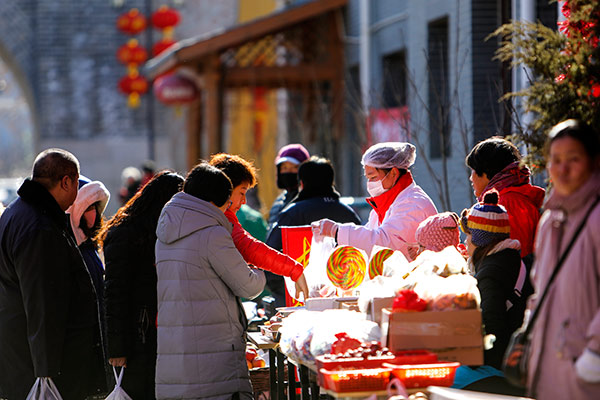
(399, 204)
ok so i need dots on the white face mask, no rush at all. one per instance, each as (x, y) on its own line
(376, 188)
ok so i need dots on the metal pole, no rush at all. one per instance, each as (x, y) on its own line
(365, 52)
(150, 96)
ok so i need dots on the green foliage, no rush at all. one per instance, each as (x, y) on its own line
(565, 67)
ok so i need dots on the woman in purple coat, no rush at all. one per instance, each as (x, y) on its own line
(564, 361)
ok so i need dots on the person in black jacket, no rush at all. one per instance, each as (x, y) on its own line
(287, 161)
(317, 199)
(504, 285)
(130, 299)
(49, 322)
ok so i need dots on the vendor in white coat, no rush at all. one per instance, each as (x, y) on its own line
(399, 205)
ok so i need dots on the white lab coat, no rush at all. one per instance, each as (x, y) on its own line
(397, 231)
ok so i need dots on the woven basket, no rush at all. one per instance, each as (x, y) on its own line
(261, 381)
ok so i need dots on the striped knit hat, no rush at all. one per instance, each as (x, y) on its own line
(487, 221)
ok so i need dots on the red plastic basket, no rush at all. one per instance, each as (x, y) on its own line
(355, 380)
(423, 375)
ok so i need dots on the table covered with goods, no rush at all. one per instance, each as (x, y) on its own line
(376, 325)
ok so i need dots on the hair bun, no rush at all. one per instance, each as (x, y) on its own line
(491, 197)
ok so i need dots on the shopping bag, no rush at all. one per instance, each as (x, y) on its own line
(43, 389)
(118, 393)
(515, 360)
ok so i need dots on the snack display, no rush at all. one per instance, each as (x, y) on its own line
(376, 263)
(451, 301)
(346, 267)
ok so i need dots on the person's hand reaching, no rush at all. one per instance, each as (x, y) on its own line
(301, 288)
(324, 227)
(118, 362)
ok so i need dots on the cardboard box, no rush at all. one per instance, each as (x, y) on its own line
(376, 305)
(464, 355)
(431, 329)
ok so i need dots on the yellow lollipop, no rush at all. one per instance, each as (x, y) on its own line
(346, 267)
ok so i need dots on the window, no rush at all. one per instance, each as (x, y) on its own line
(438, 100)
(394, 80)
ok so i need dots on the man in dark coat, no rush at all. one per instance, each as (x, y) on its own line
(317, 199)
(49, 325)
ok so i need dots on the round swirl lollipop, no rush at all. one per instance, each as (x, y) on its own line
(376, 263)
(346, 267)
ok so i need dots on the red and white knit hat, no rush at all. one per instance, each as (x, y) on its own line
(438, 231)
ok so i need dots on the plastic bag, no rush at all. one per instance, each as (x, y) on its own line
(315, 272)
(43, 389)
(456, 292)
(336, 321)
(118, 392)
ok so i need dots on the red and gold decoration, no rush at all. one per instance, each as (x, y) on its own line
(133, 84)
(132, 22)
(176, 90)
(164, 19)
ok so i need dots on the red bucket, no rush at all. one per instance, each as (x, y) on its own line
(295, 241)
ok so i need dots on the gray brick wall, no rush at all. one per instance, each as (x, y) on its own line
(65, 52)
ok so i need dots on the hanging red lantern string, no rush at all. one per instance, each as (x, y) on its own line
(132, 54)
(164, 19)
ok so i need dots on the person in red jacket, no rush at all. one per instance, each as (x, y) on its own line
(243, 176)
(496, 164)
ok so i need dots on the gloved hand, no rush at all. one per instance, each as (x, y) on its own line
(324, 227)
(587, 366)
(301, 287)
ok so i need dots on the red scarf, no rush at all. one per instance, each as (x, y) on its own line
(383, 202)
(511, 175)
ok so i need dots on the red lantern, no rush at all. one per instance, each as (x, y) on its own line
(162, 45)
(133, 84)
(175, 89)
(132, 53)
(165, 17)
(132, 22)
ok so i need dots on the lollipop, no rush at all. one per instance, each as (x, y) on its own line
(346, 267)
(376, 263)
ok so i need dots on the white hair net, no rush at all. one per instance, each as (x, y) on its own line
(401, 155)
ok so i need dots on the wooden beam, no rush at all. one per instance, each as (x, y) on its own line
(194, 132)
(276, 77)
(213, 107)
(256, 29)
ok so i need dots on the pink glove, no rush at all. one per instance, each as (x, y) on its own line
(324, 227)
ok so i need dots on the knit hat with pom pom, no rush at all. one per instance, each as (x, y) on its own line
(487, 221)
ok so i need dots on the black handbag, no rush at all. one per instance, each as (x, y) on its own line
(515, 362)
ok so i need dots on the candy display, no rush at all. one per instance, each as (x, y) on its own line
(346, 267)
(376, 263)
(344, 343)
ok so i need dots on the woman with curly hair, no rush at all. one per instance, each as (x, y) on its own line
(243, 176)
(128, 241)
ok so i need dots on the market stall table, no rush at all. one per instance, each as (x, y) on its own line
(308, 380)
